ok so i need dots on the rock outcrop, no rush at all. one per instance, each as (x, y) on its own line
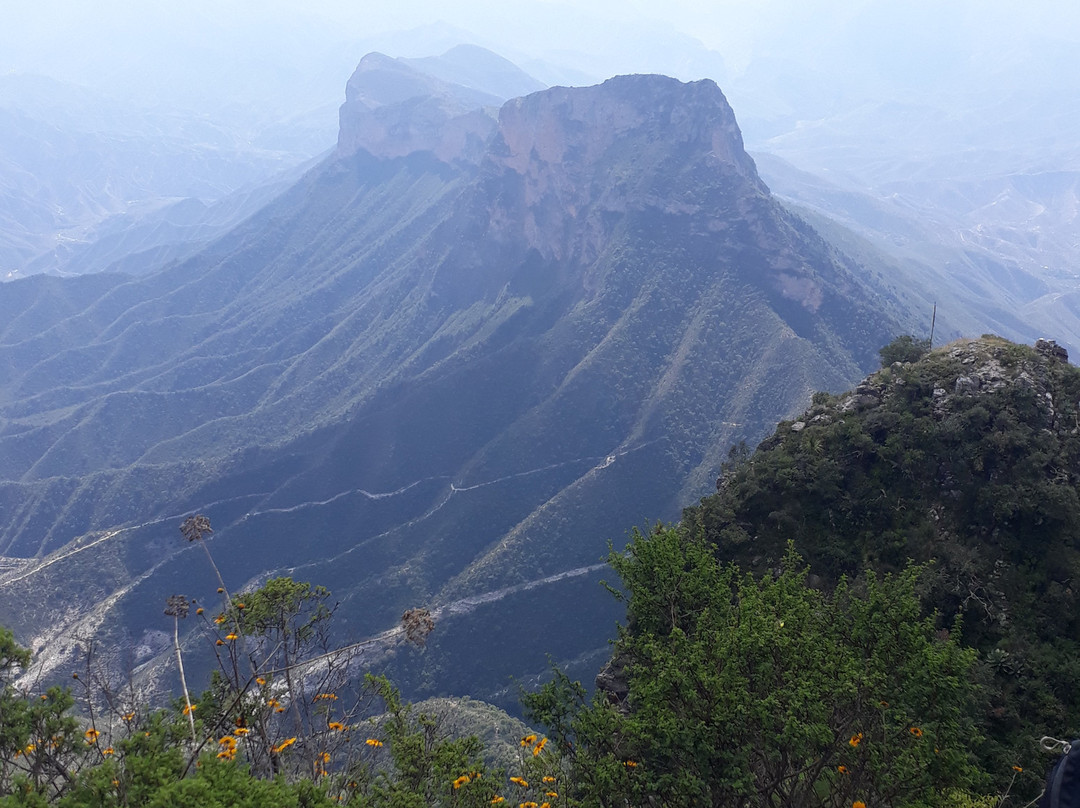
(392, 110)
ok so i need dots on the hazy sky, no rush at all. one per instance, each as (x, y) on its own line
(108, 41)
(777, 60)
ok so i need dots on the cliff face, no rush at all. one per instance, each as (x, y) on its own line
(392, 110)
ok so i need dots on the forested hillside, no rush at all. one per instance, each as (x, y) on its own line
(874, 609)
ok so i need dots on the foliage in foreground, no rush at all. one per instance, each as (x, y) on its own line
(763, 691)
(737, 691)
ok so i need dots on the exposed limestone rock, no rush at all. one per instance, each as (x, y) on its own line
(1050, 348)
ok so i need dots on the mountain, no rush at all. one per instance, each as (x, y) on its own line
(76, 167)
(446, 376)
(968, 458)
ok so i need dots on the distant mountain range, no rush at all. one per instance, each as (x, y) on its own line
(425, 375)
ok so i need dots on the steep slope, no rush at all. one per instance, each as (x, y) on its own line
(421, 378)
(970, 458)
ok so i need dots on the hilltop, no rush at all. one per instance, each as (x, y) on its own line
(969, 458)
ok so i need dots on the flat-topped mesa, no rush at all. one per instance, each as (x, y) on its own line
(567, 162)
(580, 124)
(392, 110)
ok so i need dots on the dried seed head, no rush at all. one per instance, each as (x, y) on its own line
(177, 606)
(195, 527)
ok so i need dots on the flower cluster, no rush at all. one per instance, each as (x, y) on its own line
(228, 748)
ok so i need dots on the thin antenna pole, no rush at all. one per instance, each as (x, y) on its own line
(933, 322)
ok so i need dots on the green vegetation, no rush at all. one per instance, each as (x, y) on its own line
(764, 691)
(905, 348)
(911, 660)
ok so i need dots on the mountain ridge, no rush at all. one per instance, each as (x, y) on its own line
(413, 380)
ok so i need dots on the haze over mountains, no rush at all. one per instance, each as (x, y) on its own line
(422, 375)
(485, 335)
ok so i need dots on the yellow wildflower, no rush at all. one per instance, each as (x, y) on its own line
(630, 764)
(324, 696)
(108, 751)
(549, 779)
(519, 781)
(373, 742)
(231, 636)
(241, 731)
(260, 681)
(539, 747)
(552, 794)
(855, 739)
(461, 781)
(497, 799)
(91, 735)
(916, 732)
(128, 716)
(858, 804)
(190, 708)
(1017, 769)
(842, 769)
(337, 726)
(528, 740)
(283, 745)
(219, 619)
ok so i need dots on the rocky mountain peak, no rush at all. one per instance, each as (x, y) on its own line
(393, 109)
(579, 125)
(570, 160)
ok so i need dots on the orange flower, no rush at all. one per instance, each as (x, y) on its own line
(260, 681)
(520, 782)
(916, 732)
(1017, 769)
(330, 696)
(373, 742)
(128, 716)
(855, 740)
(231, 636)
(283, 745)
(219, 619)
(337, 726)
(858, 804)
(842, 769)
(461, 781)
(108, 751)
(199, 610)
(630, 764)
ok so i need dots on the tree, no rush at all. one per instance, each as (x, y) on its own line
(905, 348)
(764, 691)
